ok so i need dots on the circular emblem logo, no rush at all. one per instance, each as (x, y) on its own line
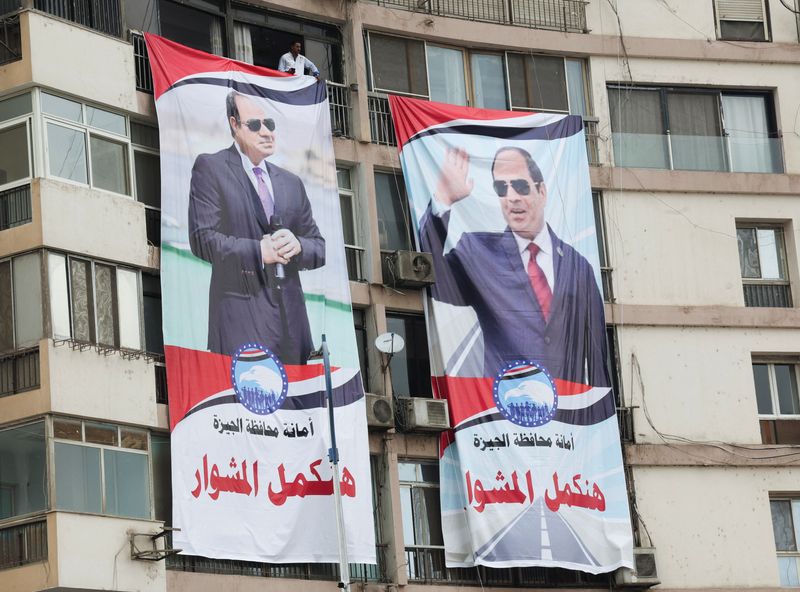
(259, 379)
(525, 394)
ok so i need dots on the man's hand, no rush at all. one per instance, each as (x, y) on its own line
(285, 245)
(453, 185)
(290, 70)
(268, 253)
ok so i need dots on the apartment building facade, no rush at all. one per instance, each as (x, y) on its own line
(693, 136)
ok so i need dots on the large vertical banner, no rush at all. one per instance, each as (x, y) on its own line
(253, 273)
(532, 474)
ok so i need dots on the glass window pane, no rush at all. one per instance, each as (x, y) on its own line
(430, 472)
(393, 220)
(15, 106)
(127, 480)
(14, 163)
(147, 168)
(100, 433)
(28, 299)
(343, 178)
(102, 119)
(162, 478)
(68, 429)
(549, 83)
(398, 64)
(151, 303)
(747, 125)
(23, 470)
(61, 107)
(763, 395)
(770, 247)
(105, 302)
(109, 165)
(786, 383)
(133, 439)
(6, 309)
(407, 471)
(59, 295)
(399, 365)
(130, 335)
(327, 57)
(433, 516)
(748, 252)
(782, 525)
(696, 131)
(361, 343)
(446, 75)
(66, 149)
(742, 30)
(489, 81)
(638, 128)
(787, 567)
(195, 28)
(348, 225)
(575, 88)
(518, 80)
(82, 300)
(144, 135)
(78, 478)
(406, 509)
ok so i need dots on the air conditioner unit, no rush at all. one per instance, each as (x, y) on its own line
(644, 573)
(379, 411)
(410, 269)
(425, 414)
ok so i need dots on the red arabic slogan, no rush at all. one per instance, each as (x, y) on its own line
(237, 482)
(510, 493)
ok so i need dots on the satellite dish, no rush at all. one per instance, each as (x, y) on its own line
(389, 343)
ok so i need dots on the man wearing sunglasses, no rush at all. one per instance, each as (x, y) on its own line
(535, 296)
(252, 221)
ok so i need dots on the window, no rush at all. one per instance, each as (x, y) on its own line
(447, 81)
(151, 303)
(93, 302)
(694, 129)
(23, 470)
(162, 477)
(101, 468)
(489, 80)
(762, 259)
(20, 302)
(410, 368)
(398, 65)
(394, 218)
(200, 29)
(422, 526)
(347, 202)
(742, 20)
(360, 323)
(147, 172)
(16, 161)
(86, 144)
(602, 248)
(786, 528)
(777, 401)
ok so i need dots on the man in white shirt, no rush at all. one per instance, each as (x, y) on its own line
(295, 63)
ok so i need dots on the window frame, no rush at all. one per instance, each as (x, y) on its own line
(793, 501)
(782, 252)
(27, 121)
(42, 290)
(417, 484)
(770, 363)
(765, 24)
(352, 196)
(370, 71)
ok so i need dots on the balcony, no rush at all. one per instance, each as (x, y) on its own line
(144, 78)
(101, 15)
(339, 101)
(427, 565)
(15, 206)
(24, 543)
(556, 15)
(10, 37)
(19, 372)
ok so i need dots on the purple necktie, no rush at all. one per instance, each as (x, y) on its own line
(264, 194)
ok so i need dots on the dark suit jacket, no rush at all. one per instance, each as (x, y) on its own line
(485, 271)
(226, 224)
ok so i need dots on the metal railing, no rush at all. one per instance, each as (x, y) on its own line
(144, 78)
(355, 262)
(23, 543)
(339, 101)
(10, 39)
(608, 289)
(161, 382)
(625, 421)
(101, 15)
(768, 294)
(15, 206)
(592, 137)
(298, 571)
(427, 564)
(381, 126)
(19, 371)
(557, 15)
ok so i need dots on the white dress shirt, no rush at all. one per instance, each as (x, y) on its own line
(544, 257)
(299, 63)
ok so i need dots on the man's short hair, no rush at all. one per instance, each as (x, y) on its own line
(300, 41)
(533, 169)
(231, 108)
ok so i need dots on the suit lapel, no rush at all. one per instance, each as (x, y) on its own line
(560, 279)
(279, 193)
(235, 165)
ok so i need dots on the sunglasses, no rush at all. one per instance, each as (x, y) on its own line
(521, 186)
(255, 124)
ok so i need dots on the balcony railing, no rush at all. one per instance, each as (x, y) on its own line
(558, 15)
(426, 564)
(101, 15)
(299, 571)
(23, 543)
(339, 101)
(380, 121)
(144, 78)
(19, 371)
(10, 38)
(764, 293)
(15, 207)
(592, 137)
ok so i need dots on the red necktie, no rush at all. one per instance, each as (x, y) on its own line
(539, 282)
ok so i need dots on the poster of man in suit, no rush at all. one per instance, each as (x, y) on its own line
(532, 473)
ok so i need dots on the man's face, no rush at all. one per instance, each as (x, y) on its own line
(296, 47)
(524, 214)
(256, 145)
